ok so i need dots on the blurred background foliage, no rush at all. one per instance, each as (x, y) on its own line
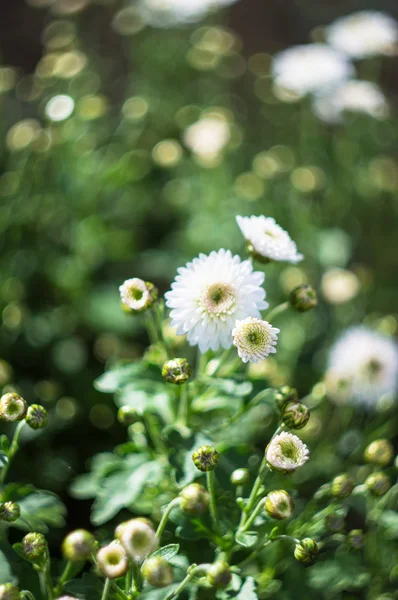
(102, 180)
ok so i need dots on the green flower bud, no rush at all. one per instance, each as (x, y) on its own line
(322, 492)
(306, 551)
(177, 371)
(342, 486)
(205, 458)
(295, 415)
(279, 505)
(356, 539)
(303, 297)
(335, 522)
(36, 417)
(9, 511)
(240, 477)
(138, 538)
(137, 295)
(9, 591)
(284, 395)
(127, 415)
(112, 561)
(78, 545)
(378, 484)
(219, 574)
(12, 407)
(157, 571)
(34, 546)
(379, 452)
(194, 499)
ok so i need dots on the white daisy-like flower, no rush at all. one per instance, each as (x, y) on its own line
(254, 339)
(210, 294)
(310, 68)
(363, 34)
(137, 295)
(207, 137)
(112, 560)
(267, 240)
(164, 13)
(286, 453)
(353, 96)
(362, 367)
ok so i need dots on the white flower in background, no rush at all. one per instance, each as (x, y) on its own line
(164, 13)
(353, 96)
(339, 285)
(137, 295)
(310, 68)
(286, 452)
(207, 137)
(363, 34)
(59, 107)
(267, 240)
(254, 339)
(210, 294)
(362, 367)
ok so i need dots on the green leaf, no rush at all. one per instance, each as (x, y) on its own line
(158, 594)
(246, 539)
(88, 587)
(41, 510)
(87, 485)
(167, 552)
(389, 520)
(4, 443)
(6, 575)
(116, 377)
(248, 590)
(232, 387)
(336, 576)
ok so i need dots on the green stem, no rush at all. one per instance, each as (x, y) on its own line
(12, 451)
(69, 567)
(253, 516)
(244, 409)
(27, 594)
(255, 490)
(166, 515)
(153, 432)
(213, 504)
(119, 592)
(192, 571)
(223, 359)
(278, 310)
(107, 589)
(137, 579)
(158, 319)
(256, 552)
(183, 409)
(128, 581)
(151, 328)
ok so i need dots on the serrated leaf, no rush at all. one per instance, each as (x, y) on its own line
(248, 590)
(337, 576)
(167, 552)
(247, 539)
(6, 575)
(41, 510)
(88, 587)
(87, 485)
(116, 377)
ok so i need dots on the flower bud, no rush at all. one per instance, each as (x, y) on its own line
(240, 477)
(194, 499)
(279, 505)
(177, 371)
(219, 574)
(127, 415)
(9, 591)
(34, 545)
(205, 458)
(284, 395)
(286, 453)
(137, 295)
(303, 297)
(342, 486)
(67, 598)
(9, 512)
(78, 545)
(138, 538)
(295, 415)
(36, 417)
(12, 407)
(306, 551)
(157, 571)
(335, 522)
(378, 484)
(379, 452)
(112, 561)
(356, 539)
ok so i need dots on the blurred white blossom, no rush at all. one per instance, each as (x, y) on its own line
(164, 13)
(352, 96)
(207, 137)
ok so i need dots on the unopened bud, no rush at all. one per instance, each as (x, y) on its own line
(284, 395)
(36, 417)
(78, 545)
(112, 561)
(379, 452)
(356, 539)
(279, 505)
(306, 551)
(342, 486)
(303, 297)
(34, 546)
(295, 415)
(138, 538)
(157, 571)
(9, 591)
(137, 295)
(335, 522)
(240, 477)
(378, 484)
(177, 371)
(9, 512)
(205, 458)
(194, 499)
(219, 574)
(127, 415)
(12, 407)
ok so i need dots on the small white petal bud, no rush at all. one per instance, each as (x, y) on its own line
(157, 571)
(279, 505)
(137, 295)
(112, 561)
(12, 407)
(78, 545)
(138, 538)
(286, 453)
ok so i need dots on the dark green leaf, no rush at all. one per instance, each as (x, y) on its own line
(247, 538)
(41, 510)
(167, 552)
(116, 377)
(4, 443)
(337, 576)
(88, 587)
(6, 575)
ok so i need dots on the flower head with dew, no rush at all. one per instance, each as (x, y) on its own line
(266, 240)
(362, 367)
(207, 137)
(364, 33)
(165, 13)
(352, 96)
(137, 295)
(286, 453)
(210, 294)
(254, 339)
(310, 68)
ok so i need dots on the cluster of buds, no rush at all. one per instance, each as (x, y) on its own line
(137, 295)
(9, 511)
(303, 298)
(177, 371)
(79, 545)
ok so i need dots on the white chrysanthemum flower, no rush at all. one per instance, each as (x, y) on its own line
(365, 33)
(286, 452)
(310, 68)
(164, 13)
(137, 295)
(210, 294)
(254, 339)
(207, 137)
(362, 367)
(112, 560)
(267, 240)
(353, 96)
